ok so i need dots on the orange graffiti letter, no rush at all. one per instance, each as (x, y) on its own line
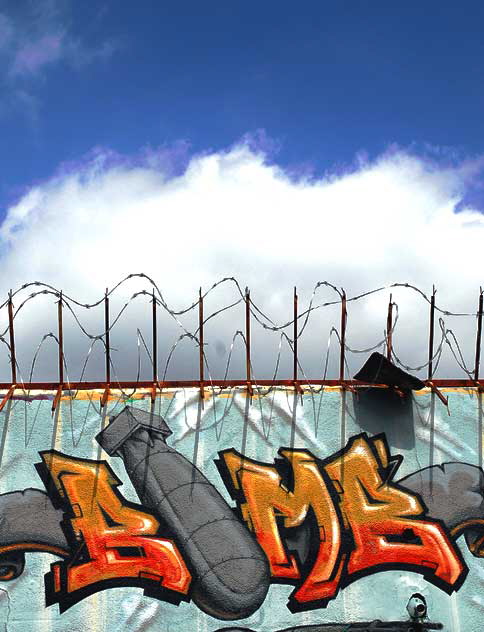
(112, 540)
(386, 520)
(265, 498)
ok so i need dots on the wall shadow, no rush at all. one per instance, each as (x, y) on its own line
(383, 410)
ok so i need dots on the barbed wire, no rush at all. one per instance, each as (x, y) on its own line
(448, 337)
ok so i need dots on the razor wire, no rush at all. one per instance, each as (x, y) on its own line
(264, 321)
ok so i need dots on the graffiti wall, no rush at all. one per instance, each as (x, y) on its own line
(264, 512)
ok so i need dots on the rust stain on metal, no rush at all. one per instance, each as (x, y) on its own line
(433, 387)
(7, 396)
(57, 398)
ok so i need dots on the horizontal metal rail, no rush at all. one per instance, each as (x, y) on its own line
(148, 384)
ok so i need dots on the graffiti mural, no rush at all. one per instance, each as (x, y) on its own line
(314, 521)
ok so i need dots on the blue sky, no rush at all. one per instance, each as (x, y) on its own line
(279, 143)
(324, 80)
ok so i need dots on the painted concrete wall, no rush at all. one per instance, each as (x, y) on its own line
(420, 429)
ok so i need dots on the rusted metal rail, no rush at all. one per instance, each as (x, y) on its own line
(242, 382)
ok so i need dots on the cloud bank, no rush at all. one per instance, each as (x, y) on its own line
(189, 221)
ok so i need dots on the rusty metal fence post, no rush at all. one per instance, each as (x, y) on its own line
(430, 373)
(200, 337)
(107, 388)
(154, 348)
(13, 359)
(248, 365)
(389, 329)
(478, 338)
(431, 335)
(60, 336)
(294, 369)
(342, 338)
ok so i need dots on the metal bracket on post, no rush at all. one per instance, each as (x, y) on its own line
(105, 396)
(435, 390)
(57, 397)
(153, 392)
(7, 396)
(348, 387)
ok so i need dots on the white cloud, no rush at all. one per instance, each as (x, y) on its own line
(232, 214)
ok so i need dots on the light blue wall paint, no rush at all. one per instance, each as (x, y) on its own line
(322, 423)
